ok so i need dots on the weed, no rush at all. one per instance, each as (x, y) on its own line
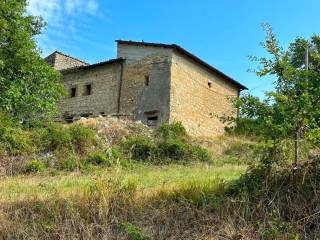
(134, 232)
(98, 158)
(139, 148)
(174, 130)
(35, 166)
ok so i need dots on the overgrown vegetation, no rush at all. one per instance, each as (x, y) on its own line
(54, 146)
(170, 144)
(75, 182)
(29, 87)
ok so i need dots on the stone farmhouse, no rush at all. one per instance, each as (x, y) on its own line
(150, 82)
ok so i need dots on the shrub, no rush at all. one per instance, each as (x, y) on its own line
(54, 137)
(139, 148)
(18, 142)
(70, 163)
(35, 166)
(98, 158)
(173, 149)
(66, 159)
(171, 144)
(82, 138)
(174, 130)
(200, 154)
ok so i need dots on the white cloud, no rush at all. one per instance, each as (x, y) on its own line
(49, 10)
(52, 9)
(81, 6)
(65, 19)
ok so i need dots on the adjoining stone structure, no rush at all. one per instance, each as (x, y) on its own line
(61, 61)
(153, 83)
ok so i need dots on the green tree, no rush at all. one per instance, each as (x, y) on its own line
(29, 87)
(292, 110)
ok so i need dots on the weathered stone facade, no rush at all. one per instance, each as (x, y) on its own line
(198, 97)
(61, 61)
(153, 83)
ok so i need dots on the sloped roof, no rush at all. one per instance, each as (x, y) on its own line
(186, 53)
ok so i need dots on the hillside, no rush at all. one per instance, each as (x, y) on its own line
(135, 183)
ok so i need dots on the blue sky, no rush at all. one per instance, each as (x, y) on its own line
(223, 33)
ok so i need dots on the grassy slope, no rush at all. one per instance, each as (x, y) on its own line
(144, 177)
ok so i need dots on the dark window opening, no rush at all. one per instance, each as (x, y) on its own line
(209, 84)
(86, 115)
(102, 113)
(69, 119)
(155, 118)
(152, 121)
(88, 89)
(147, 80)
(73, 92)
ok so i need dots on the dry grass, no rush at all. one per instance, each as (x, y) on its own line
(146, 178)
(172, 202)
(161, 201)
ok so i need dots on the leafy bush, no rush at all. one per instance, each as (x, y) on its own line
(171, 144)
(35, 166)
(55, 136)
(69, 163)
(172, 148)
(200, 154)
(82, 138)
(247, 127)
(174, 130)
(139, 148)
(98, 158)
(18, 142)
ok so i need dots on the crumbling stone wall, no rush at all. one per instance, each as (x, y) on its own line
(104, 82)
(199, 97)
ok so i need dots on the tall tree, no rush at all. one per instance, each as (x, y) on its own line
(29, 87)
(292, 110)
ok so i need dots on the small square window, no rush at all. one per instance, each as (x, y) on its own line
(146, 80)
(209, 84)
(152, 121)
(88, 90)
(73, 92)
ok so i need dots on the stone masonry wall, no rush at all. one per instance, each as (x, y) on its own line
(134, 53)
(104, 82)
(146, 63)
(194, 103)
(145, 91)
(61, 62)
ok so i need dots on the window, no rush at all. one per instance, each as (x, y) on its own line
(146, 80)
(73, 92)
(88, 90)
(86, 115)
(152, 121)
(209, 84)
(152, 118)
(69, 119)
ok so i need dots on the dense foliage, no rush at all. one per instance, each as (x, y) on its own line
(292, 110)
(29, 87)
